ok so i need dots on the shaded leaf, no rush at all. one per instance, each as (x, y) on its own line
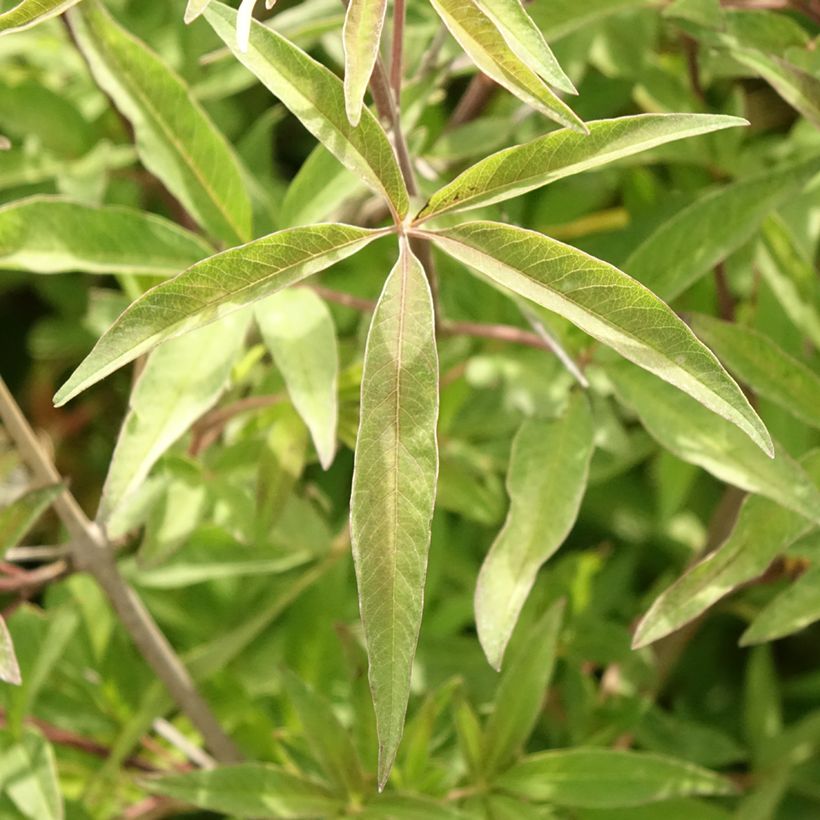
(298, 329)
(608, 305)
(175, 138)
(28, 13)
(214, 288)
(394, 485)
(478, 36)
(590, 778)
(559, 154)
(687, 246)
(316, 96)
(46, 234)
(21, 515)
(361, 35)
(28, 775)
(546, 480)
(758, 361)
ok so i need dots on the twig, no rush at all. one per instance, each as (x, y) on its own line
(208, 429)
(192, 752)
(91, 552)
(397, 50)
(24, 581)
(38, 553)
(479, 92)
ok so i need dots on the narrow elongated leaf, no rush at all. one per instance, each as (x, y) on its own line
(605, 778)
(19, 517)
(28, 775)
(194, 9)
(316, 96)
(175, 138)
(684, 428)
(249, 790)
(361, 35)
(214, 288)
(521, 692)
(546, 481)
(522, 168)
(394, 486)
(44, 234)
(298, 329)
(526, 40)
(759, 362)
(9, 668)
(605, 303)
(478, 36)
(28, 13)
(327, 738)
(687, 246)
(181, 380)
(763, 531)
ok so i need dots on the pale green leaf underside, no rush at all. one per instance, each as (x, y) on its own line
(687, 246)
(759, 362)
(181, 380)
(606, 778)
(29, 13)
(478, 36)
(684, 428)
(361, 36)
(214, 288)
(175, 138)
(9, 668)
(17, 518)
(394, 486)
(546, 480)
(249, 790)
(46, 234)
(298, 330)
(763, 530)
(316, 96)
(522, 168)
(28, 773)
(194, 9)
(526, 40)
(605, 303)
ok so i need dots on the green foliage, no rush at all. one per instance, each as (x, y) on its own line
(623, 334)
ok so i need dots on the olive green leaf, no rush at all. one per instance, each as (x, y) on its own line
(605, 303)
(687, 246)
(763, 530)
(214, 288)
(180, 381)
(684, 428)
(478, 36)
(28, 13)
(546, 480)
(526, 40)
(316, 96)
(607, 778)
(361, 35)
(175, 138)
(522, 168)
(394, 487)
(298, 329)
(17, 518)
(45, 234)
(763, 365)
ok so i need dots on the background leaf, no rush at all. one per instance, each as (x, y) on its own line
(362, 36)
(28, 13)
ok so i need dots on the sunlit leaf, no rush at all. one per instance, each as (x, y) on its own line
(394, 485)
(214, 288)
(28, 13)
(45, 234)
(9, 668)
(604, 778)
(546, 480)
(175, 138)
(606, 304)
(316, 96)
(17, 518)
(522, 168)
(28, 775)
(362, 36)
(763, 531)
(194, 9)
(298, 329)
(478, 36)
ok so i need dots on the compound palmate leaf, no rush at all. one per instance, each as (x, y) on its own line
(361, 36)
(608, 305)
(175, 138)
(480, 38)
(522, 168)
(29, 13)
(316, 96)
(394, 487)
(44, 234)
(546, 482)
(213, 288)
